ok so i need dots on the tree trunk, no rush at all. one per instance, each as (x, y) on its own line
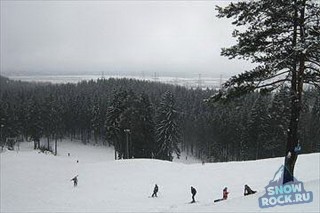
(292, 138)
(296, 105)
(257, 148)
(48, 139)
(56, 146)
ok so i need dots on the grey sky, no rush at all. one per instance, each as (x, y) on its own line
(177, 37)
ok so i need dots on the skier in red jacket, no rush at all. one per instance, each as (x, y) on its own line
(225, 193)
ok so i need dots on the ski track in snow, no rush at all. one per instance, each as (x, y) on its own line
(37, 182)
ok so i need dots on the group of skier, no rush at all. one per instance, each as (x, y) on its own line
(247, 191)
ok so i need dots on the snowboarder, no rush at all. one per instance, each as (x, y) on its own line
(193, 192)
(75, 181)
(248, 190)
(155, 191)
(224, 195)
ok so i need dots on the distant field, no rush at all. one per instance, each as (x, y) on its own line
(202, 82)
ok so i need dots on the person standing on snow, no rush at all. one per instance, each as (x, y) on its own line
(75, 181)
(193, 192)
(155, 191)
(225, 193)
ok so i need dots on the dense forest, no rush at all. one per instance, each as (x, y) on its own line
(143, 119)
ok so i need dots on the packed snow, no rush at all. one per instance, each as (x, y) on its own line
(39, 182)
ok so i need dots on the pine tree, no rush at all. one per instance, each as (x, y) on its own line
(142, 128)
(257, 128)
(35, 130)
(168, 134)
(283, 37)
(114, 129)
(130, 125)
(96, 119)
(279, 112)
(57, 122)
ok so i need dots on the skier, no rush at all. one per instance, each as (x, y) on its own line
(193, 192)
(248, 190)
(155, 191)
(224, 195)
(75, 181)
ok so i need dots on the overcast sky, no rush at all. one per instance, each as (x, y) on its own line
(181, 38)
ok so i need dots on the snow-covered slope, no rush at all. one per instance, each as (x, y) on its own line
(37, 182)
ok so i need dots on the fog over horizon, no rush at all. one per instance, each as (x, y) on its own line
(169, 38)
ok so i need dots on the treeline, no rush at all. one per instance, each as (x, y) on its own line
(153, 120)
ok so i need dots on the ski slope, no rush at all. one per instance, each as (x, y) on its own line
(38, 182)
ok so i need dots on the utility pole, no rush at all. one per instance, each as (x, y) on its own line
(127, 131)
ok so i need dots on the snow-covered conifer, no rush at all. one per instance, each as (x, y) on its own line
(168, 133)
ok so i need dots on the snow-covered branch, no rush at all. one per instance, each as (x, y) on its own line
(272, 83)
(313, 68)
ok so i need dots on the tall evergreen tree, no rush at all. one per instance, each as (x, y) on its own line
(35, 130)
(168, 134)
(130, 125)
(258, 126)
(279, 116)
(283, 37)
(96, 118)
(142, 128)
(114, 130)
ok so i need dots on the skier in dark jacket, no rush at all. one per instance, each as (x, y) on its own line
(193, 192)
(248, 190)
(75, 181)
(155, 191)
